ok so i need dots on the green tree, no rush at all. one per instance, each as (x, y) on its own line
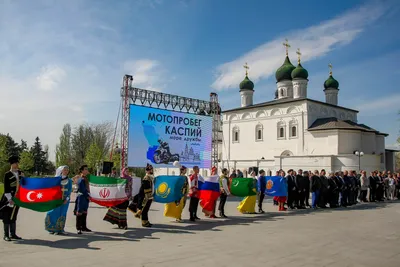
(39, 157)
(93, 156)
(63, 149)
(12, 148)
(26, 162)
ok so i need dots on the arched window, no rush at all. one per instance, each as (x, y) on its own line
(281, 130)
(259, 132)
(293, 128)
(235, 135)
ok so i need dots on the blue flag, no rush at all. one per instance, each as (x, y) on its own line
(168, 189)
(276, 186)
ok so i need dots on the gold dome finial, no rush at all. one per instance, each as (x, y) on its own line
(298, 55)
(286, 45)
(330, 69)
(246, 68)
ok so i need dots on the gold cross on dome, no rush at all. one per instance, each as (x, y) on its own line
(246, 67)
(298, 55)
(286, 45)
(330, 68)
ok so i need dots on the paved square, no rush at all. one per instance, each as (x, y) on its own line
(364, 235)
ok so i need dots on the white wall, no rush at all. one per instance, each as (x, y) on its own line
(321, 143)
(318, 111)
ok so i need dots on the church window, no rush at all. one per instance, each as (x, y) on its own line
(293, 128)
(235, 135)
(281, 130)
(259, 132)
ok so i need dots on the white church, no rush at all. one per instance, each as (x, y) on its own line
(294, 131)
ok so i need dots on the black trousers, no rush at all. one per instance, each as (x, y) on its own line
(145, 211)
(9, 216)
(193, 205)
(307, 197)
(260, 200)
(222, 201)
(363, 195)
(372, 194)
(134, 204)
(291, 200)
(81, 222)
(301, 198)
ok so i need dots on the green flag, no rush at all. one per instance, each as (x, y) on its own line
(243, 187)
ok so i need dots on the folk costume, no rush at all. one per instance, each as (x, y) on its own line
(9, 212)
(145, 197)
(82, 205)
(55, 219)
(117, 215)
(174, 209)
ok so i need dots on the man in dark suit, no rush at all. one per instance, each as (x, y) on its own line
(9, 209)
(292, 189)
(339, 183)
(315, 188)
(301, 183)
(372, 187)
(324, 194)
(347, 189)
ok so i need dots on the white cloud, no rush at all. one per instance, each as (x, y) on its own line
(147, 74)
(314, 42)
(379, 106)
(50, 77)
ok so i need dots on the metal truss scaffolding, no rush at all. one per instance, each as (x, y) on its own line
(133, 95)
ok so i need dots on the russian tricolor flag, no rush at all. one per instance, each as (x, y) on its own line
(208, 193)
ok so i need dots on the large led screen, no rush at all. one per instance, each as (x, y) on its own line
(161, 137)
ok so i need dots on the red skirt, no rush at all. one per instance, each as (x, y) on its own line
(280, 199)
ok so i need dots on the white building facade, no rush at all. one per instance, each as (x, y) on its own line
(296, 132)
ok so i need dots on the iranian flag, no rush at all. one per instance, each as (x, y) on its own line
(39, 194)
(107, 191)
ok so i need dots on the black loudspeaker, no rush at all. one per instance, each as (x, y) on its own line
(255, 169)
(107, 167)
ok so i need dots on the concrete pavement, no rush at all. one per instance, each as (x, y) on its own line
(363, 235)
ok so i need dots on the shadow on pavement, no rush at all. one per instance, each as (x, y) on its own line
(74, 241)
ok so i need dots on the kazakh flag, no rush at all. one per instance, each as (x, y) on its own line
(39, 194)
(243, 187)
(168, 189)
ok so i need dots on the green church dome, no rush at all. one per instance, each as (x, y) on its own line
(246, 84)
(300, 73)
(331, 83)
(285, 71)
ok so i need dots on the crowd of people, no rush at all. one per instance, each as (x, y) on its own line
(336, 189)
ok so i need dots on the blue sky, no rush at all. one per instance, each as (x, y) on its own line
(63, 61)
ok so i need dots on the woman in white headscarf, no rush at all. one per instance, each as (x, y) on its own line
(55, 219)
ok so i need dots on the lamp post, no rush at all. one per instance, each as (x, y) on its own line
(359, 154)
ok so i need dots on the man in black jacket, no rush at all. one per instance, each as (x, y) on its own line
(9, 210)
(292, 189)
(372, 187)
(324, 195)
(302, 184)
(315, 188)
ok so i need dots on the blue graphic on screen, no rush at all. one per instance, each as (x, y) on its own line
(161, 137)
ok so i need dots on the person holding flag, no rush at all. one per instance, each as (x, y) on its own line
(194, 195)
(8, 209)
(262, 184)
(145, 197)
(117, 215)
(82, 200)
(56, 218)
(224, 187)
(248, 204)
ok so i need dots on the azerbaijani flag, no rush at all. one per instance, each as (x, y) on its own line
(243, 187)
(276, 186)
(209, 193)
(107, 191)
(168, 188)
(39, 194)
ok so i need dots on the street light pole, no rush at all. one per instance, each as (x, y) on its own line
(359, 154)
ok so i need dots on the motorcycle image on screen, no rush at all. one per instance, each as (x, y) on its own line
(162, 155)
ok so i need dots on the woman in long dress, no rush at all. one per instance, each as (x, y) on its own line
(282, 199)
(117, 215)
(55, 219)
(248, 204)
(174, 209)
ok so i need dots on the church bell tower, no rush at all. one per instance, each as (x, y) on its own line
(246, 90)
